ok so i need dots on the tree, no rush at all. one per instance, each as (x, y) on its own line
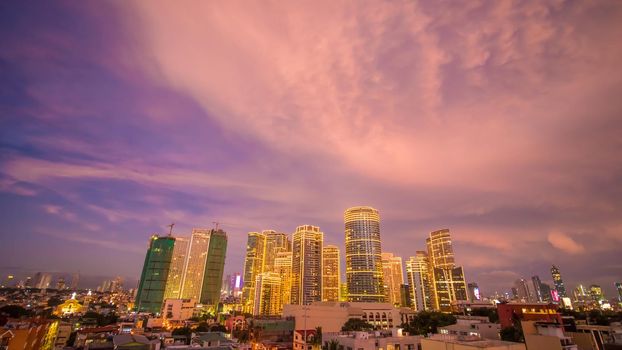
(182, 331)
(333, 344)
(510, 334)
(218, 328)
(426, 322)
(14, 311)
(202, 327)
(356, 324)
(317, 339)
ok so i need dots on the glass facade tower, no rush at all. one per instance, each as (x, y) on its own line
(363, 255)
(152, 283)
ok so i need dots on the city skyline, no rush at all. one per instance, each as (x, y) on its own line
(500, 122)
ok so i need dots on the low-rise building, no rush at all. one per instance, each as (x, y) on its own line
(546, 336)
(478, 326)
(452, 342)
(378, 340)
(508, 312)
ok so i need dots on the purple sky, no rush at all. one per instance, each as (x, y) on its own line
(499, 120)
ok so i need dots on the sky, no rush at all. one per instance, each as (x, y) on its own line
(500, 120)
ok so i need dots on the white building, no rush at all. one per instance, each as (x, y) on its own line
(392, 340)
(472, 326)
(175, 311)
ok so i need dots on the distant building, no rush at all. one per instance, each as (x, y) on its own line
(522, 287)
(214, 267)
(43, 280)
(195, 264)
(474, 292)
(537, 288)
(418, 275)
(558, 282)
(619, 289)
(152, 283)
(283, 267)
(393, 277)
(307, 245)
(253, 266)
(363, 255)
(268, 295)
(405, 298)
(178, 265)
(596, 292)
(331, 273)
(276, 243)
(447, 279)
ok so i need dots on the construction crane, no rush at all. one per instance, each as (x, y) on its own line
(170, 232)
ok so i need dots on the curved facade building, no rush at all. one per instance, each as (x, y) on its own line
(363, 255)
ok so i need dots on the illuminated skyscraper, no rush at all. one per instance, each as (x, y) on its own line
(214, 266)
(152, 283)
(268, 295)
(558, 282)
(330, 273)
(283, 267)
(275, 243)
(537, 288)
(43, 280)
(522, 288)
(473, 292)
(253, 266)
(195, 264)
(418, 275)
(307, 245)
(393, 277)
(176, 272)
(75, 279)
(446, 278)
(596, 292)
(619, 289)
(363, 255)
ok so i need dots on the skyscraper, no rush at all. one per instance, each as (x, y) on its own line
(418, 275)
(267, 299)
(75, 279)
(155, 272)
(176, 272)
(43, 280)
(275, 243)
(214, 267)
(393, 277)
(523, 290)
(363, 255)
(195, 264)
(537, 288)
(283, 267)
(330, 273)
(596, 292)
(253, 266)
(558, 282)
(307, 247)
(473, 291)
(619, 289)
(447, 279)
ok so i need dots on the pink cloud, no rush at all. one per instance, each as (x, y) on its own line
(565, 243)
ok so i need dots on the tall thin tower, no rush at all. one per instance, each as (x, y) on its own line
(307, 247)
(155, 272)
(330, 273)
(253, 266)
(393, 277)
(363, 255)
(557, 280)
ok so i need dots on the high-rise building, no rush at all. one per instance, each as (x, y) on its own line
(545, 289)
(363, 255)
(418, 275)
(307, 244)
(276, 242)
(253, 266)
(176, 272)
(60, 283)
(330, 273)
(195, 264)
(523, 290)
(283, 267)
(474, 292)
(152, 283)
(537, 289)
(447, 279)
(214, 267)
(405, 298)
(619, 289)
(75, 279)
(558, 282)
(268, 295)
(43, 280)
(393, 277)
(596, 292)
